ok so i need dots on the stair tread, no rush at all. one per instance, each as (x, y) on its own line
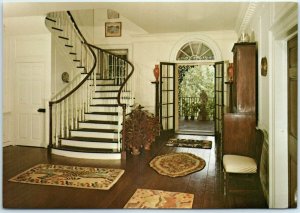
(105, 85)
(50, 19)
(106, 98)
(100, 122)
(62, 37)
(85, 150)
(95, 130)
(102, 113)
(104, 105)
(55, 28)
(89, 139)
(100, 91)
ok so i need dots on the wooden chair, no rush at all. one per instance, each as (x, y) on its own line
(242, 148)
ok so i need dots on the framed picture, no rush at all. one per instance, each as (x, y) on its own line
(113, 29)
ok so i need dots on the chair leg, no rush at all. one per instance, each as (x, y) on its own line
(225, 182)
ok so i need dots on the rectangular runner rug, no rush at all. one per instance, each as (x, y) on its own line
(147, 198)
(203, 144)
(70, 176)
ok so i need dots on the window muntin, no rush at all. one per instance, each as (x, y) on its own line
(195, 50)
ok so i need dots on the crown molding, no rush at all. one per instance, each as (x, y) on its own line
(245, 17)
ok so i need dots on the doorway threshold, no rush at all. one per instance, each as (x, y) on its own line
(194, 132)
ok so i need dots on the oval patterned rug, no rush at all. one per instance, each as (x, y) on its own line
(177, 164)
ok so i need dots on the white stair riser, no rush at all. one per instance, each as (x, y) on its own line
(94, 134)
(105, 94)
(104, 101)
(97, 126)
(87, 144)
(101, 117)
(104, 82)
(102, 109)
(105, 88)
(99, 156)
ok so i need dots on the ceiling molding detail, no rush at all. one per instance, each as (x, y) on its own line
(251, 9)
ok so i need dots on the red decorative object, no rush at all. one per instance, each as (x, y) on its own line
(156, 72)
(230, 72)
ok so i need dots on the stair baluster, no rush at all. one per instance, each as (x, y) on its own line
(71, 109)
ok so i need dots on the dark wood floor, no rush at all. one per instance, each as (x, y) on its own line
(196, 127)
(206, 185)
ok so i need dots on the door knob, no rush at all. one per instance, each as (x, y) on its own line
(41, 110)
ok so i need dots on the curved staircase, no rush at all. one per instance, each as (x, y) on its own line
(86, 116)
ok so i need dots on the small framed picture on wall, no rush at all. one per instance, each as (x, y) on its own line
(113, 29)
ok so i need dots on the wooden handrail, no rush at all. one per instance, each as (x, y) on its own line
(127, 77)
(91, 48)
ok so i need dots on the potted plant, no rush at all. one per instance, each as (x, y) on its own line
(150, 129)
(141, 128)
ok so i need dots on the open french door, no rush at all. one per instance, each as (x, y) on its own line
(219, 99)
(167, 97)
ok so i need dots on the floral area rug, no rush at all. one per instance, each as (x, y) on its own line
(177, 164)
(203, 144)
(147, 198)
(70, 176)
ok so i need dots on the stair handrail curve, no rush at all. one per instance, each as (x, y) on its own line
(106, 51)
(127, 77)
(89, 74)
(84, 41)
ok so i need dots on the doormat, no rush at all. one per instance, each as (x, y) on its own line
(203, 144)
(70, 176)
(177, 164)
(147, 198)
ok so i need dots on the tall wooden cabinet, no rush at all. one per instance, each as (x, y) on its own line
(245, 75)
(239, 126)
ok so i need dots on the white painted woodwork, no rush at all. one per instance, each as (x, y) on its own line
(104, 101)
(102, 109)
(105, 88)
(103, 82)
(96, 156)
(97, 126)
(93, 134)
(96, 117)
(88, 144)
(29, 97)
(105, 94)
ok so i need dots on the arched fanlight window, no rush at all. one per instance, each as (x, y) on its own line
(195, 50)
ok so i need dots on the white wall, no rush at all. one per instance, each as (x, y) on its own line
(152, 49)
(85, 21)
(271, 25)
(146, 50)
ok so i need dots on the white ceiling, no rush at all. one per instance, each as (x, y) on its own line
(153, 17)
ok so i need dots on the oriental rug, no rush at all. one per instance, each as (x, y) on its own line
(70, 176)
(177, 164)
(147, 198)
(203, 144)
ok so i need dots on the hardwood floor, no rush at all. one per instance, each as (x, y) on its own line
(206, 185)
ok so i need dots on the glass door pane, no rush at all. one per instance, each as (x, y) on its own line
(167, 96)
(219, 99)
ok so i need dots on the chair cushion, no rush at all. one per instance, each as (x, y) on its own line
(239, 164)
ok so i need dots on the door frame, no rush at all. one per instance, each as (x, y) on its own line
(176, 76)
(171, 131)
(278, 137)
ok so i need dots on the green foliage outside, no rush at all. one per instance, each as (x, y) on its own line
(195, 80)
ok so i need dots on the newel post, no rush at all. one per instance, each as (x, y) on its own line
(123, 152)
(50, 128)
